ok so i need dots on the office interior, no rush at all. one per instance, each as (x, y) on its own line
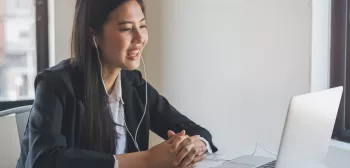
(230, 65)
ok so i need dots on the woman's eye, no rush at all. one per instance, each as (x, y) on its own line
(125, 29)
(144, 26)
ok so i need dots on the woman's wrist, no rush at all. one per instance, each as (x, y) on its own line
(147, 159)
(128, 160)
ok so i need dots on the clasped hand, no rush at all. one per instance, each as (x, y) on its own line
(187, 150)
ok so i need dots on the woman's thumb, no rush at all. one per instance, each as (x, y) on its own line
(171, 133)
(182, 133)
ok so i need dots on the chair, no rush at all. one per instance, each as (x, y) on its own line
(21, 114)
(13, 123)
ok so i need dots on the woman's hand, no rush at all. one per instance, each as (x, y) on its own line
(161, 155)
(188, 150)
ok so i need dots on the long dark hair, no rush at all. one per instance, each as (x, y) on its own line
(96, 125)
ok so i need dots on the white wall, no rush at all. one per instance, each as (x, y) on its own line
(232, 66)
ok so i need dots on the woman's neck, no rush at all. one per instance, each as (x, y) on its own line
(109, 77)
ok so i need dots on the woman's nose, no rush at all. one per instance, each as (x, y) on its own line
(138, 37)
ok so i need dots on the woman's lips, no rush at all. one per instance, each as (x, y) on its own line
(134, 54)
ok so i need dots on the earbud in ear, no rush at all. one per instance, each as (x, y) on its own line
(94, 39)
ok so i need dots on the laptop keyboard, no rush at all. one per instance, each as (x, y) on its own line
(271, 164)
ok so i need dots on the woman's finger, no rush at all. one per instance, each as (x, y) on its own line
(202, 146)
(187, 161)
(189, 150)
(185, 151)
(191, 166)
(177, 141)
(172, 136)
(172, 139)
(198, 158)
(190, 140)
(172, 133)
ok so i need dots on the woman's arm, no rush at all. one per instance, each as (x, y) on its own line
(47, 146)
(159, 156)
(137, 159)
(165, 117)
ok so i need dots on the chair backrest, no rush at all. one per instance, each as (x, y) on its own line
(9, 142)
(21, 114)
(13, 123)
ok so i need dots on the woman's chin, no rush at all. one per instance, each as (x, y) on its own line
(132, 65)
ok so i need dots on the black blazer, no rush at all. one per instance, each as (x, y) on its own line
(51, 136)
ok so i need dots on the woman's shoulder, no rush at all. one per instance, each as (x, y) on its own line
(64, 65)
(59, 76)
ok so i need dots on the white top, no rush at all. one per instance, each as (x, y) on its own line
(117, 112)
(116, 104)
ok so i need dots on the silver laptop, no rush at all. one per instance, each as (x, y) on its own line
(307, 131)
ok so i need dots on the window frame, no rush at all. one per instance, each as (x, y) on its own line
(42, 47)
(42, 32)
(340, 65)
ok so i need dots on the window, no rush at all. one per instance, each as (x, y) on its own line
(340, 65)
(23, 49)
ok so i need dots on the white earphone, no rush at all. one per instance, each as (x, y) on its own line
(146, 101)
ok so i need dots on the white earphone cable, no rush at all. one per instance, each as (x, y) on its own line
(146, 101)
(268, 151)
(101, 70)
(144, 112)
(257, 143)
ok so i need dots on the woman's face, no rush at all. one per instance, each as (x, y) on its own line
(124, 37)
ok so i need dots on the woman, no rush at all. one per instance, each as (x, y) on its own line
(96, 110)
